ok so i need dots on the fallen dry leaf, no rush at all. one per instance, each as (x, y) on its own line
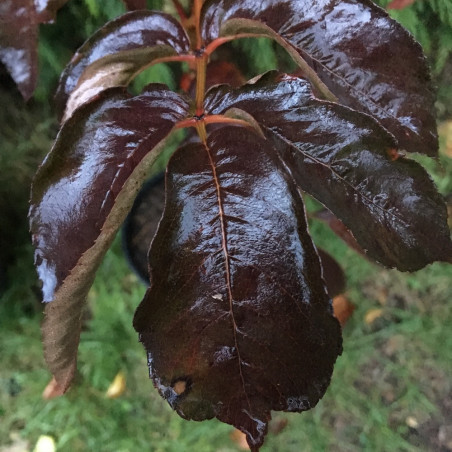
(372, 315)
(342, 308)
(117, 387)
(239, 438)
(412, 422)
(276, 426)
(45, 444)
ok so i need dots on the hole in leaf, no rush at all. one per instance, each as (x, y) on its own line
(182, 385)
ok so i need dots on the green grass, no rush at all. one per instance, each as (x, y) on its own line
(395, 368)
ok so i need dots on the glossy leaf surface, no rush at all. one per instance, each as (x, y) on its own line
(237, 321)
(346, 161)
(339, 229)
(367, 60)
(80, 196)
(19, 29)
(116, 53)
(332, 273)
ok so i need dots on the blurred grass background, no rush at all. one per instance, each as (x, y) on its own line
(391, 388)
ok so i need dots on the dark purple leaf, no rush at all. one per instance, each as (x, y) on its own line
(367, 60)
(116, 53)
(141, 224)
(237, 321)
(47, 8)
(19, 24)
(339, 229)
(131, 5)
(332, 273)
(345, 159)
(82, 193)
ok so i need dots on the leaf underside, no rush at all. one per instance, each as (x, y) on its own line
(367, 60)
(345, 159)
(237, 321)
(80, 196)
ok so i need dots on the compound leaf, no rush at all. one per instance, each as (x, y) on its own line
(80, 196)
(347, 161)
(237, 321)
(116, 53)
(367, 60)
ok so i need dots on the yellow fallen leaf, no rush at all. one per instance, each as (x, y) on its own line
(117, 387)
(342, 308)
(412, 422)
(372, 315)
(45, 444)
(239, 438)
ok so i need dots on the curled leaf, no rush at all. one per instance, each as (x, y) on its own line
(80, 196)
(237, 321)
(343, 159)
(116, 53)
(353, 47)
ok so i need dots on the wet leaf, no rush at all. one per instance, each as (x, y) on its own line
(345, 159)
(116, 53)
(237, 321)
(80, 196)
(365, 58)
(19, 29)
(135, 4)
(332, 273)
(339, 229)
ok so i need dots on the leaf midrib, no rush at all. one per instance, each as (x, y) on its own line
(224, 246)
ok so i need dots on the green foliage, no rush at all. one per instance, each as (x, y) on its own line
(160, 73)
(260, 53)
(388, 372)
(431, 24)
